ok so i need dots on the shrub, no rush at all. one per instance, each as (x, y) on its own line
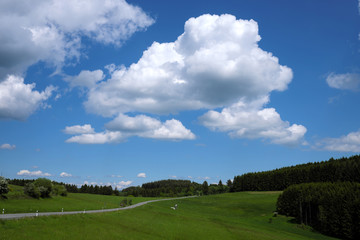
(31, 190)
(41, 187)
(3, 186)
(59, 190)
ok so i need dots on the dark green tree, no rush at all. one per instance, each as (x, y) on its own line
(205, 188)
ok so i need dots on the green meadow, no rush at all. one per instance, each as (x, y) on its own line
(243, 215)
(18, 202)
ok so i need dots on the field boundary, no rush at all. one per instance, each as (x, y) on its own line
(39, 214)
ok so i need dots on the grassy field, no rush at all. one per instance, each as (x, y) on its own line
(243, 215)
(18, 202)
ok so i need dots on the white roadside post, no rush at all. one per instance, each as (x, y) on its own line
(3, 211)
(37, 213)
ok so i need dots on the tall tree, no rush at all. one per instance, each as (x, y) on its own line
(205, 188)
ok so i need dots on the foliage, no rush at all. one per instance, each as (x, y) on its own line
(344, 169)
(31, 190)
(205, 188)
(331, 208)
(3, 186)
(43, 187)
(164, 188)
(59, 190)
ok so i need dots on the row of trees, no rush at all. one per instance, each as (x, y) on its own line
(174, 188)
(344, 169)
(164, 188)
(103, 190)
(331, 208)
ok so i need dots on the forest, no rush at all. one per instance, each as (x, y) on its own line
(331, 208)
(343, 169)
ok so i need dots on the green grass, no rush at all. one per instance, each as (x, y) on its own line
(227, 216)
(18, 202)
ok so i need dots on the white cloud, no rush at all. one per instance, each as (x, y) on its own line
(348, 143)
(78, 129)
(18, 100)
(51, 30)
(173, 176)
(33, 173)
(123, 184)
(252, 122)
(123, 127)
(85, 78)
(64, 174)
(214, 63)
(97, 138)
(346, 81)
(116, 176)
(141, 175)
(7, 146)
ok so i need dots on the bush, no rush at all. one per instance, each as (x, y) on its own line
(59, 190)
(31, 190)
(3, 186)
(41, 187)
(45, 186)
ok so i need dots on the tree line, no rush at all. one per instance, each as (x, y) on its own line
(330, 208)
(174, 188)
(343, 169)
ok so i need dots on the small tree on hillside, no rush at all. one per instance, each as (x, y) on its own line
(3, 186)
(205, 188)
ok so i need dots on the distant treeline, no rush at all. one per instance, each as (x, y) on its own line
(72, 188)
(344, 169)
(164, 188)
(331, 208)
(174, 188)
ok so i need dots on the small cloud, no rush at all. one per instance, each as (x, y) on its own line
(204, 178)
(33, 173)
(173, 176)
(7, 146)
(200, 145)
(78, 129)
(141, 175)
(190, 177)
(116, 176)
(35, 167)
(348, 143)
(346, 81)
(64, 174)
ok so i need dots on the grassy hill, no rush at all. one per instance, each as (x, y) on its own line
(244, 215)
(18, 202)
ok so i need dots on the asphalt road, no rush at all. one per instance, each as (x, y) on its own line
(24, 215)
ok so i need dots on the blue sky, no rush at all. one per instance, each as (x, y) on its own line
(126, 92)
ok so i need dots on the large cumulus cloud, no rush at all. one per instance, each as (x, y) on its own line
(215, 63)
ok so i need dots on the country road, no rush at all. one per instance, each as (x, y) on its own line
(24, 215)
